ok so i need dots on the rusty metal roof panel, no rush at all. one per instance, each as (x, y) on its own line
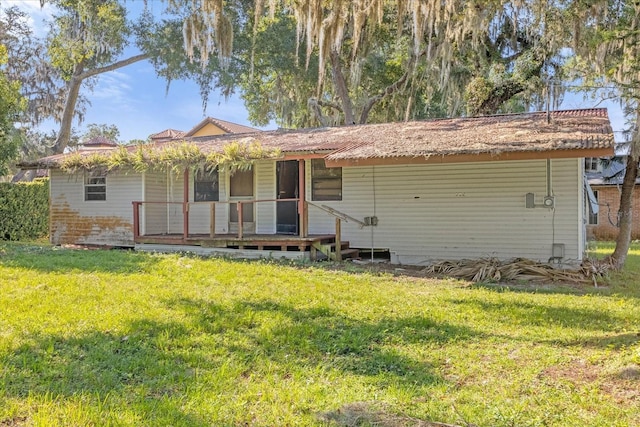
(494, 135)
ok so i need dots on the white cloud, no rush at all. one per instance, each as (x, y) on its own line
(113, 86)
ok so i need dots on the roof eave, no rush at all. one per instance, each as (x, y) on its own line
(470, 158)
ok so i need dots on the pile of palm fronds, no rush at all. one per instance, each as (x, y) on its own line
(519, 269)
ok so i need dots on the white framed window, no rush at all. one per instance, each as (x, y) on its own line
(591, 164)
(206, 186)
(326, 183)
(593, 217)
(95, 187)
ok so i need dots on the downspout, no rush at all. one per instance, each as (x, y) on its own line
(553, 209)
(548, 177)
(373, 181)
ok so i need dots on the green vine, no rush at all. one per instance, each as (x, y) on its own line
(174, 157)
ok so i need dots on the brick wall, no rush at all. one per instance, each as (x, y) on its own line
(609, 202)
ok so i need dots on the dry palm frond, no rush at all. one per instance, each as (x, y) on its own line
(492, 269)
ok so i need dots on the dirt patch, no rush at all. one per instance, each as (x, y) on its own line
(623, 386)
(14, 422)
(362, 413)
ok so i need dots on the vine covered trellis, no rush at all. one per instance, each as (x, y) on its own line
(175, 157)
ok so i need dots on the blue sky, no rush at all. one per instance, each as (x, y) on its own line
(136, 101)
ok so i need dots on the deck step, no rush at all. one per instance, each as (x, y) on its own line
(328, 249)
(343, 246)
(350, 253)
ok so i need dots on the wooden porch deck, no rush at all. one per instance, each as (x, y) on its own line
(248, 241)
(314, 245)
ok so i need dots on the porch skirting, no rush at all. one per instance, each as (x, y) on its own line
(225, 252)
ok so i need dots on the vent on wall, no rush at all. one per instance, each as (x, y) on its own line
(557, 252)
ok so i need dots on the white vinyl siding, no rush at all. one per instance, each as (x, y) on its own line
(74, 220)
(465, 210)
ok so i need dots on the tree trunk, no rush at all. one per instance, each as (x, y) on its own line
(341, 88)
(64, 134)
(74, 85)
(623, 241)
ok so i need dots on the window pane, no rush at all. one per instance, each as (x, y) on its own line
(96, 196)
(247, 212)
(95, 188)
(326, 183)
(206, 186)
(593, 217)
(241, 184)
(96, 180)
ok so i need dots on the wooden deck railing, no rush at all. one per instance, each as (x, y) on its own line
(340, 216)
(212, 214)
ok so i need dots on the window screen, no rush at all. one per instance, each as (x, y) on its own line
(326, 183)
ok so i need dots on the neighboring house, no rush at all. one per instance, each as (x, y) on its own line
(98, 143)
(605, 179)
(207, 127)
(499, 186)
(166, 135)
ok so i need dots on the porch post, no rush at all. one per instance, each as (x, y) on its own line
(240, 231)
(338, 240)
(212, 221)
(185, 205)
(301, 200)
(136, 220)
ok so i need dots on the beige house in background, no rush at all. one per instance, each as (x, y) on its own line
(207, 127)
(498, 186)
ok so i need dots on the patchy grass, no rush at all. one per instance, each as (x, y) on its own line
(134, 339)
(626, 282)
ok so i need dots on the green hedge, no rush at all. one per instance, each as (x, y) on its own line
(24, 210)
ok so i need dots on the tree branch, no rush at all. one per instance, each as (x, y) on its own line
(329, 104)
(393, 87)
(341, 87)
(114, 66)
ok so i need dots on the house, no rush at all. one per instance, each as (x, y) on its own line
(605, 180)
(98, 143)
(498, 186)
(208, 127)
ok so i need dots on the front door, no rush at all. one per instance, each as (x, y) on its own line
(287, 187)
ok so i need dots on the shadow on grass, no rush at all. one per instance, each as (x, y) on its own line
(154, 369)
(319, 336)
(107, 371)
(528, 314)
(612, 341)
(55, 259)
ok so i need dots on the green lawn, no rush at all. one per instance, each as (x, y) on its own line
(120, 338)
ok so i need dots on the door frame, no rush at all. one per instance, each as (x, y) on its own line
(289, 209)
(248, 227)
